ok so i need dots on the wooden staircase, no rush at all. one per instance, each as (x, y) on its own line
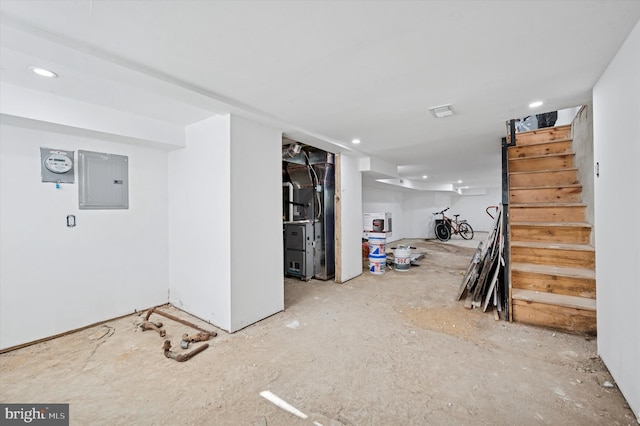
(552, 260)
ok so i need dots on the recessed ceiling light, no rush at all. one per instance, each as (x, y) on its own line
(424, 176)
(459, 181)
(43, 72)
(442, 111)
(535, 104)
(355, 141)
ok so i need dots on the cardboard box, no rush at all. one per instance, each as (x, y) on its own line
(377, 222)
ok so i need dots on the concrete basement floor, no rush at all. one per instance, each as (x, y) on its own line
(392, 349)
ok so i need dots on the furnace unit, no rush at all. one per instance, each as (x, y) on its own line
(299, 245)
(308, 208)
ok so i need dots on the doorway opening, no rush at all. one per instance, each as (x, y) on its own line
(308, 211)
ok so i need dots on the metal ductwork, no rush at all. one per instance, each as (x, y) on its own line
(291, 150)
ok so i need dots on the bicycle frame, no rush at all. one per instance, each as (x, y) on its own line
(453, 226)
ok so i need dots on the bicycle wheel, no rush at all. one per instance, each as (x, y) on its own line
(442, 232)
(466, 231)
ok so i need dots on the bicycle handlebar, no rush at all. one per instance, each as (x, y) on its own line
(492, 207)
(443, 211)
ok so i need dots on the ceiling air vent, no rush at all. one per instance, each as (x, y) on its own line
(442, 111)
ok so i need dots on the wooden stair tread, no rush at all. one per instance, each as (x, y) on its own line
(573, 185)
(564, 154)
(554, 299)
(545, 129)
(563, 271)
(542, 205)
(552, 224)
(542, 142)
(561, 246)
(543, 171)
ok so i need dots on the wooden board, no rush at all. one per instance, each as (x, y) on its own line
(338, 219)
(543, 178)
(543, 135)
(560, 212)
(551, 232)
(472, 271)
(482, 274)
(578, 256)
(561, 146)
(556, 317)
(546, 194)
(467, 302)
(557, 284)
(485, 265)
(488, 268)
(555, 299)
(491, 293)
(546, 162)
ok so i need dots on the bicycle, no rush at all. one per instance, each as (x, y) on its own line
(446, 226)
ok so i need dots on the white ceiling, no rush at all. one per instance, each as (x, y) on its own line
(328, 70)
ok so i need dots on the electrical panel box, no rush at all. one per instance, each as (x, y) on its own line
(103, 181)
(56, 165)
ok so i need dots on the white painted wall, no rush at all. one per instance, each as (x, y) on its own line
(50, 108)
(616, 129)
(225, 220)
(350, 195)
(582, 133)
(199, 218)
(257, 275)
(418, 212)
(413, 210)
(53, 278)
(473, 208)
(566, 116)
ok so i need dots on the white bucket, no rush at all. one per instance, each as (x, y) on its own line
(377, 264)
(402, 258)
(377, 246)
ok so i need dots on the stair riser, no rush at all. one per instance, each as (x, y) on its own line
(556, 234)
(541, 163)
(539, 149)
(543, 135)
(562, 177)
(554, 257)
(545, 283)
(557, 317)
(569, 194)
(547, 214)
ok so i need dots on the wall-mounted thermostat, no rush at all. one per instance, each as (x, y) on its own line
(56, 165)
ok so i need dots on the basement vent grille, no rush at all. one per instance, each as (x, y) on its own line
(442, 111)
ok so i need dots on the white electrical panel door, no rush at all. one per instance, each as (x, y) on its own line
(103, 180)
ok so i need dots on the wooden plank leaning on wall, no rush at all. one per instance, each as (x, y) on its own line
(338, 218)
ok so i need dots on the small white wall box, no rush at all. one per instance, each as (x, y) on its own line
(56, 165)
(103, 181)
(377, 222)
